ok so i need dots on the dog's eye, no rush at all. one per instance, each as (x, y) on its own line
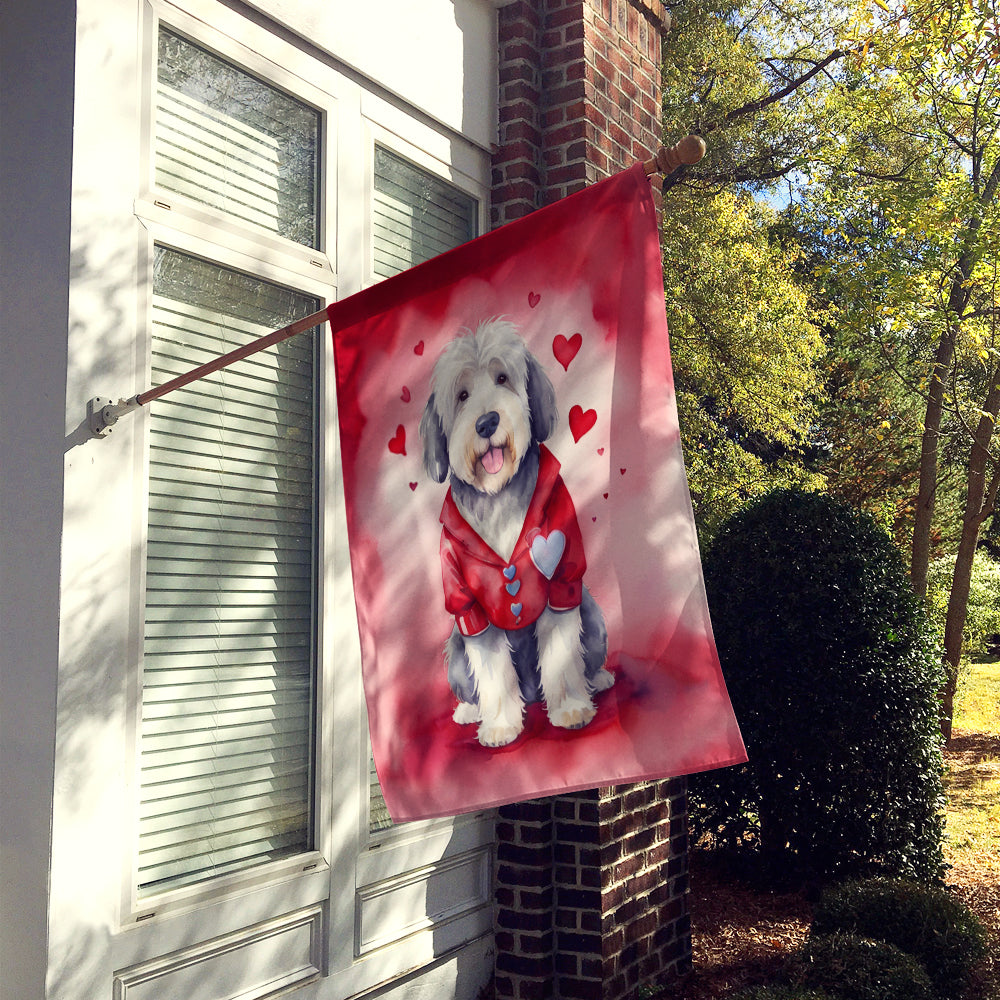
(463, 395)
(501, 379)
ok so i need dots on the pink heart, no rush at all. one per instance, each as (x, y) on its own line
(419, 349)
(533, 300)
(397, 444)
(581, 421)
(566, 350)
(600, 451)
(405, 394)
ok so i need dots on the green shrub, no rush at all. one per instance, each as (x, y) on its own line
(833, 672)
(926, 922)
(856, 968)
(982, 618)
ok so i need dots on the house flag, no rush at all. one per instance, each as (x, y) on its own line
(529, 593)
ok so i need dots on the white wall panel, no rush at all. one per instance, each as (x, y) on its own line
(254, 964)
(417, 49)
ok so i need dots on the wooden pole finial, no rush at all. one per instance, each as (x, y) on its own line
(668, 158)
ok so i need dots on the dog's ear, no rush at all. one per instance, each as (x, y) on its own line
(541, 401)
(435, 443)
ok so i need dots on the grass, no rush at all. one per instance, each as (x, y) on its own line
(973, 808)
(978, 698)
(973, 781)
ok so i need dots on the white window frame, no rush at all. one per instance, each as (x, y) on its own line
(180, 224)
(346, 857)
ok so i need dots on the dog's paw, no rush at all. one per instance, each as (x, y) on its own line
(601, 681)
(465, 713)
(572, 714)
(498, 734)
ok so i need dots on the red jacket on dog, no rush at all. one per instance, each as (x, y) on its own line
(545, 569)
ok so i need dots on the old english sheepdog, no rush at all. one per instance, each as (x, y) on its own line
(512, 559)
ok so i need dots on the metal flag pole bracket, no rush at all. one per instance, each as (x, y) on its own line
(103, 413)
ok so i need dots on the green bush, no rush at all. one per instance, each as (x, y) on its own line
(925, 922)
(983, 611)
(856, 968)
(833, 673)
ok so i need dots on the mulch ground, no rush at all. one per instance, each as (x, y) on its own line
(742, 934)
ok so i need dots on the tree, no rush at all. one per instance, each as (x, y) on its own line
(746, 356)
(746, 351)
(914, 186)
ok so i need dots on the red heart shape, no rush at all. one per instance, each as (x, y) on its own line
(600, 451)
(622, 471)
(405, 394)
(566, 350)
(419, 349)
(397, 444)
(533, 300)
(413, 486)
(581, 421)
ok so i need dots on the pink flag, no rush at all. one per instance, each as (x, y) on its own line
(526, 571)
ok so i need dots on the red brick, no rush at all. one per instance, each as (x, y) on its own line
(521, 92)
(581, 989)
(562, 53)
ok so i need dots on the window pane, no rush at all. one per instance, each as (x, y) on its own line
(228, 656)
(416, 217)
(228, 140)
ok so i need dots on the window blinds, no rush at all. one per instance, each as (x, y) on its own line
(227, 140)
(227, 681)
(416, 216)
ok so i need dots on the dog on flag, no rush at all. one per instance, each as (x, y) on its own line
(512, 560)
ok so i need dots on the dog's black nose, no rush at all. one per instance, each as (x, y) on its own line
(487, 424)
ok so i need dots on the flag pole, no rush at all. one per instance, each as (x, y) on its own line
(103, 413)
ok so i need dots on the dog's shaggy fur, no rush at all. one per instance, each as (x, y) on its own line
(491, 406)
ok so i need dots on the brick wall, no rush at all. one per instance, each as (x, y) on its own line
(591, 888)
(579, 96)
(591, 892)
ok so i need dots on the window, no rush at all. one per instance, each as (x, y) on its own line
(227, 140)
(415, 217)
(228, 679)
(229, 646)
(252, 804)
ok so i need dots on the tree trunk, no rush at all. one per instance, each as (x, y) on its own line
(958, 299)
(980, 498)
(920, 553)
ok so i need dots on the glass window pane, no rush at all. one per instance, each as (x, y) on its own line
(228, 679)
(416, 216)
(231, 141)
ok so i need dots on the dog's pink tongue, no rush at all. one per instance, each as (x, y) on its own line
(493, 460)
